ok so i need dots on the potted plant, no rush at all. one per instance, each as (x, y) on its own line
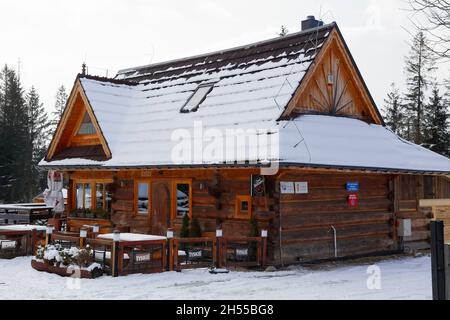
(89, 214)
(81, 213)
(100, 214)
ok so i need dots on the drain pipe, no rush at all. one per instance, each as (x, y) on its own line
(280, 242)
(335, 242)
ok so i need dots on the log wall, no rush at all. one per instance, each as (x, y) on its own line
(213, 203)
(410, 190)
(307, 221)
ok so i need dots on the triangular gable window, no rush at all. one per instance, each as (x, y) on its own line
(86, 127)
(197, 98)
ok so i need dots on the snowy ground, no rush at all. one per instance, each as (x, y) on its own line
(401, 278)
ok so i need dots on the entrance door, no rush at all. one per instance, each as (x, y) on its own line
(160, 215)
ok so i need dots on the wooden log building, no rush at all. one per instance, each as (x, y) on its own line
(335, 183)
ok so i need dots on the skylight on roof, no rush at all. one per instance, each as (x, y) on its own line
(197, 98)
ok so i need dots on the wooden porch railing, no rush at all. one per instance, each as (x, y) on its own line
(243, 252)
(18, 243)
(139, 257)
(191, 253)
(152, 256)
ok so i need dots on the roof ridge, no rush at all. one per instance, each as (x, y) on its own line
(246, 46)
(106, 79)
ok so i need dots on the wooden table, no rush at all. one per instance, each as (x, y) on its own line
(24, 213)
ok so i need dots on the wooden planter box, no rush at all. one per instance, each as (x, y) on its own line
(75, 224)
(61, 271)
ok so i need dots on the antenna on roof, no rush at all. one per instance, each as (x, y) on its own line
(83, 69)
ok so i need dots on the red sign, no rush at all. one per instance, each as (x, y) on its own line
(352, 201)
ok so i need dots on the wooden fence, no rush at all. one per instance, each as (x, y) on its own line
(191, 253)
(154, 256)
(139, 257)
(243, 252)
(18, 243)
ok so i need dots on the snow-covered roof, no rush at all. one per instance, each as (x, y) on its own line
(252, 87)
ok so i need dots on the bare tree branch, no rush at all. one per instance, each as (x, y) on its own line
(436, 24)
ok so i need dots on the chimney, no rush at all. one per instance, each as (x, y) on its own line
(311, 23)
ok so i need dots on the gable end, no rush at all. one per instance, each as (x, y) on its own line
(334, 86)
(78, 134)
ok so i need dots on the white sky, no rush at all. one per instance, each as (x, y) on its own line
(52, 37)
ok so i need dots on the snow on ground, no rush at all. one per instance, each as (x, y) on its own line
(401, 278)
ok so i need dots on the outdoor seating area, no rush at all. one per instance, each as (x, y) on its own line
(93, 254)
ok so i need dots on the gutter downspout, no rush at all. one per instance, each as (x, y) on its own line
(335, 242)
(280, 239)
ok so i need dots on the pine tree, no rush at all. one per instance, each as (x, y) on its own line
(37, 141)
(184, 232)
(195, 230)
(419, 65)
(13, 137)
(60, 105)
(437, 137)
(393, 109)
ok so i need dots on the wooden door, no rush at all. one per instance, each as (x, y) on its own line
(161, 200)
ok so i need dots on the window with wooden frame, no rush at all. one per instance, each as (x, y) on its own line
(86, 127)
(182, 199)
(142, 194)
(243, 207)
(92, 194)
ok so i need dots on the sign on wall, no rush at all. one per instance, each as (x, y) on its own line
(287, 187)
(352, 186)
(301, 188)
(352, 201)
(258, 187)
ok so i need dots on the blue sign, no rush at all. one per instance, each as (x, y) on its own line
(352, 186)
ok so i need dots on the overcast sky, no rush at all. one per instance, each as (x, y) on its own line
(52, 37)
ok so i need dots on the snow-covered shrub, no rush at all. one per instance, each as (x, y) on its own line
(57, 255)
(69, 256)
(84, 257)
(51, 254)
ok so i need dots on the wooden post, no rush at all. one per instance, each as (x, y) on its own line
(115, 254)
(169, 250)
(175, 256)
(219, 235)
(214, 253)
(438, 260)
(95, 230)
(48, 234)
(33, 241)
(83, 236)
(264, 235)
(164, 257)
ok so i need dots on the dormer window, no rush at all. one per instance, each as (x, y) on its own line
(197, 98)
(86, 127)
